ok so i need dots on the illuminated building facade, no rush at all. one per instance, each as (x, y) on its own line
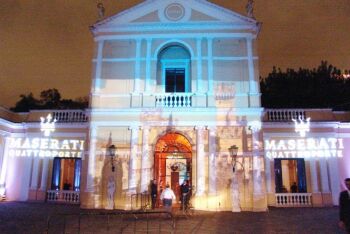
(169, 78)
(175, 85)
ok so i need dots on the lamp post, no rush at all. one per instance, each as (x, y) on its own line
(233, 152)
(111, 153)
(235, 186)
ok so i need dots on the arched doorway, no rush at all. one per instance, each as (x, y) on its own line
(173, 161)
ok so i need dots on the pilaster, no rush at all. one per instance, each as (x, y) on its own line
(212, 160)
(133, 159)
(98, 71)
(200, 161)
(146, 160)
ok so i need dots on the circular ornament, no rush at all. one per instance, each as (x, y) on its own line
(174, 12)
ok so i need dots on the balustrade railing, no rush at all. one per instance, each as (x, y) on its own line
(284, 115)
(69, 116)
(173, 99)
(63, 196)
(293, 199)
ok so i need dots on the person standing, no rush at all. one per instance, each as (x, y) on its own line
(294, 188)
(154, 193)
(185, 189)
(167, 197)
(344, 207)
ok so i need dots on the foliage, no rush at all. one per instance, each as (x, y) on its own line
(322, 87)
(49, 100)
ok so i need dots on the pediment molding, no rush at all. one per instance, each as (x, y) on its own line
(167, 14)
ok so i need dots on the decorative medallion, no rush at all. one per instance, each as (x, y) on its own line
(174, 12)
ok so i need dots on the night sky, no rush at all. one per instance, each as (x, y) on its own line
(47, 44)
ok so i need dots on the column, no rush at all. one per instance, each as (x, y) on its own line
(145, 161)
(324, 176)
(210, 66)
(2, 152)
(4, 168)
(137, 77)
(35, 174)
(200, 161)
(133, 159)
(44, 174)
(316, 195)
(269, 188)
(259, 192)
(98, 71)
(212, 160)
(77, 173)
(199, 66)
(91, 166)
(148, 65)
(334, 179)
(252, 83)
(314, 179)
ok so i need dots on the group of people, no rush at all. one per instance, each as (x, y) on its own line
(167, 195)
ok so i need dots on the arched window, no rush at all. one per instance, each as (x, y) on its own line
(173, 69)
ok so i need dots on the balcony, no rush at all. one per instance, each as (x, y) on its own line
(173, 100)
(293, 200)
(63, 196)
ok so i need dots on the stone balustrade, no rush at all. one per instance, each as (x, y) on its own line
(63, 196)
(173, 100)
(70, 116)
(293, 199)
(284, 115)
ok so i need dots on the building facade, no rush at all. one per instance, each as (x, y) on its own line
(169, 77)
(175, 85)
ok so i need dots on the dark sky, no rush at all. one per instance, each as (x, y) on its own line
(47, 44)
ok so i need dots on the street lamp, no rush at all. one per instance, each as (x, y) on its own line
(233, 152)
(111, 153)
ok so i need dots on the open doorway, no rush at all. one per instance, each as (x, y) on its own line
(290, 175)
(173, 162)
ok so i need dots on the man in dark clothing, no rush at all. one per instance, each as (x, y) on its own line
(344, 207)
(184, 188)
(294, 188)
(154, 193)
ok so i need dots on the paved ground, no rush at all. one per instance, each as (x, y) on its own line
(17, 217)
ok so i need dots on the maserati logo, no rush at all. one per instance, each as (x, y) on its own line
(47, 125)
(302, 126)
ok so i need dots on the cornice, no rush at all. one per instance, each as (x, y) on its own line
(221, 13)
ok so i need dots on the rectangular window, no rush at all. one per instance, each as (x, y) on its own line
(175, 80)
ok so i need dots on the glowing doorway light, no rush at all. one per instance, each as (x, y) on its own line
(301, 126)
(48, 126)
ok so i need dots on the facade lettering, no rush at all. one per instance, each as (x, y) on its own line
(304, 148)
(46, 147)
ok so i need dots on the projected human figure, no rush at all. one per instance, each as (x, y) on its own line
(111, 190)
(101, 10)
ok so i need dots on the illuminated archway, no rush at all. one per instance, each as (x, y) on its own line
(172, 161)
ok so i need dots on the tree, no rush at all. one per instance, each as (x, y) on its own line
(49, 99)
(322, 87)
(26, 103)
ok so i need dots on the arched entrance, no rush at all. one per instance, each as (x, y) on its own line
(172, 161)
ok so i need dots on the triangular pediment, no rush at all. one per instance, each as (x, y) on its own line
(171, 12)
